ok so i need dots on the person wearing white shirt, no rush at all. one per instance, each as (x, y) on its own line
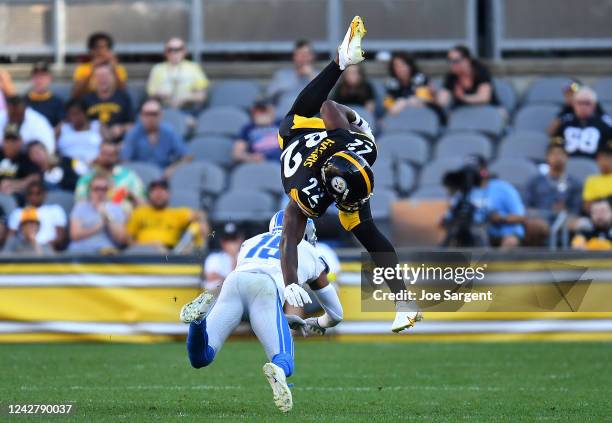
(79, 137)
(33, 126)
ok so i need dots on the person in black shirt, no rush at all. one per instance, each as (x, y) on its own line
(567, 107)
(62, 173)
(355, 89)
(468, 82)
(111, 106)
(597, 234)
(16, 169)
(407, 85)
(41, 98)
(584, 129)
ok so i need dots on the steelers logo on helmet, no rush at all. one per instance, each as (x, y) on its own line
(356, 176)
(338, 184)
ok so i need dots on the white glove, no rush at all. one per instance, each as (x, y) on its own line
(296, 296)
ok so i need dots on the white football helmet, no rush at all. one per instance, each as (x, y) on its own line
(276, 225)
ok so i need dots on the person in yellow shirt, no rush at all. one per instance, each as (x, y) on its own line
(100, 46)
(163, 228)
(178, 82)
(599, 186)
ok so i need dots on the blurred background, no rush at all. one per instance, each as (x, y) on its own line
(139, 148)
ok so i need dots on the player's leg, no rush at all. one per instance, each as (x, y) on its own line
(206, 336)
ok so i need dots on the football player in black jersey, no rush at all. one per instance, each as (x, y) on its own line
(326, 160)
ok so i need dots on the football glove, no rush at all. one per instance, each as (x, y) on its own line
(296, 296)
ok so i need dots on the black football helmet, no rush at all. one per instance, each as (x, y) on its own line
(347, 177)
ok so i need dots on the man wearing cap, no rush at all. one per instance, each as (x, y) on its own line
(31, 125)
(25, 240)
(258, 139)
(219, 264)
(16, 169)
(161, 227)
(600, 186)
(41, 98)
(584, 129)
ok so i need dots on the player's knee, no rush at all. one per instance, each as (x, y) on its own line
(327, 108)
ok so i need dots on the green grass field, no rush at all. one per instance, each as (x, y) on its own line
(441, 382)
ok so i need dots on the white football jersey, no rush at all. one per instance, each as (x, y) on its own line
(261, 254)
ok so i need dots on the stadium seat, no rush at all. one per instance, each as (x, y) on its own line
(460, 144)
(506, 93)
(514, 170)
(406, 177)
(238, 93)
(524, 144)
(180, 197)
(8, 203)
(485, 119)
(433, 172)
(215, 149)
(535, 117)
(607, 107)
(221, 121)
(603, 88)
(547, 90)
(581, 167)
(176, 119)
(429, 192)
(284, 103)
(64, 199)
(265, 176)
(413, 119)
(244, 206)
(381, 202)
(199, 175)
(384, 173)
(148, 172)
(137, 92)
(403, 146)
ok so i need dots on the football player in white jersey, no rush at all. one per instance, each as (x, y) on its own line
(256, 286)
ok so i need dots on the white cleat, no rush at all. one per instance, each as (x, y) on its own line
(405, 320)
(349, 52)
(197, 309)
(282, 394)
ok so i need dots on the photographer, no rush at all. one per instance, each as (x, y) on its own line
(484, 209)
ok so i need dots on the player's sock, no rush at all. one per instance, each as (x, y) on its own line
(328, 298)
(200, 353)
(285, 362)
(309, 101)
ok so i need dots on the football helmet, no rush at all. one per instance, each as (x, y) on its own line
(348, 178)
(276, 225)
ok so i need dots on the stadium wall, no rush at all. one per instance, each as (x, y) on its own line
(137, 299)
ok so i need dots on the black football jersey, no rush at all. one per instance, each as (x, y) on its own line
(584, 138)
(306, 145)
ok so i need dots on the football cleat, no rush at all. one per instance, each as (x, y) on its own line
(405, 320)
(282, 394)
(349, 52)
(197, 309)
(312, 327)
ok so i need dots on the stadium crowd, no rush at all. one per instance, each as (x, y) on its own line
(92, 171)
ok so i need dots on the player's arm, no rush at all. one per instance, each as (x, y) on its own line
(328, 299)
(337, 116)
(294, 224)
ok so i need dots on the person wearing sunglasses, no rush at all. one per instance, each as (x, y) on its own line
(468, 81)
(584, 130)
(178, 82)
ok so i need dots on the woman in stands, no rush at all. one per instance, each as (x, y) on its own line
(407, 85)
(79, 137)
(468, 82)
(355, 89)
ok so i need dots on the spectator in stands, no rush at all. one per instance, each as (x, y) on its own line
(488, 201)
(25, 238)
(549, 193)
(56, 173)
(258, 139)
(97, 225)
(31, 125)
(108, 104)
(154, 141)
(100, 46)
(161, 227)
(41, 98)
(600, 186)
(407, 85)
(568, 106)
(219, 264)
(126, 189)
(354, 88)
(16, 169)
(291, 80)
(584, 129)
(3, 230)
(178, 82)
(79, 138)
(7, 89)
(597, 234)
(52, 219)
(467, 83)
